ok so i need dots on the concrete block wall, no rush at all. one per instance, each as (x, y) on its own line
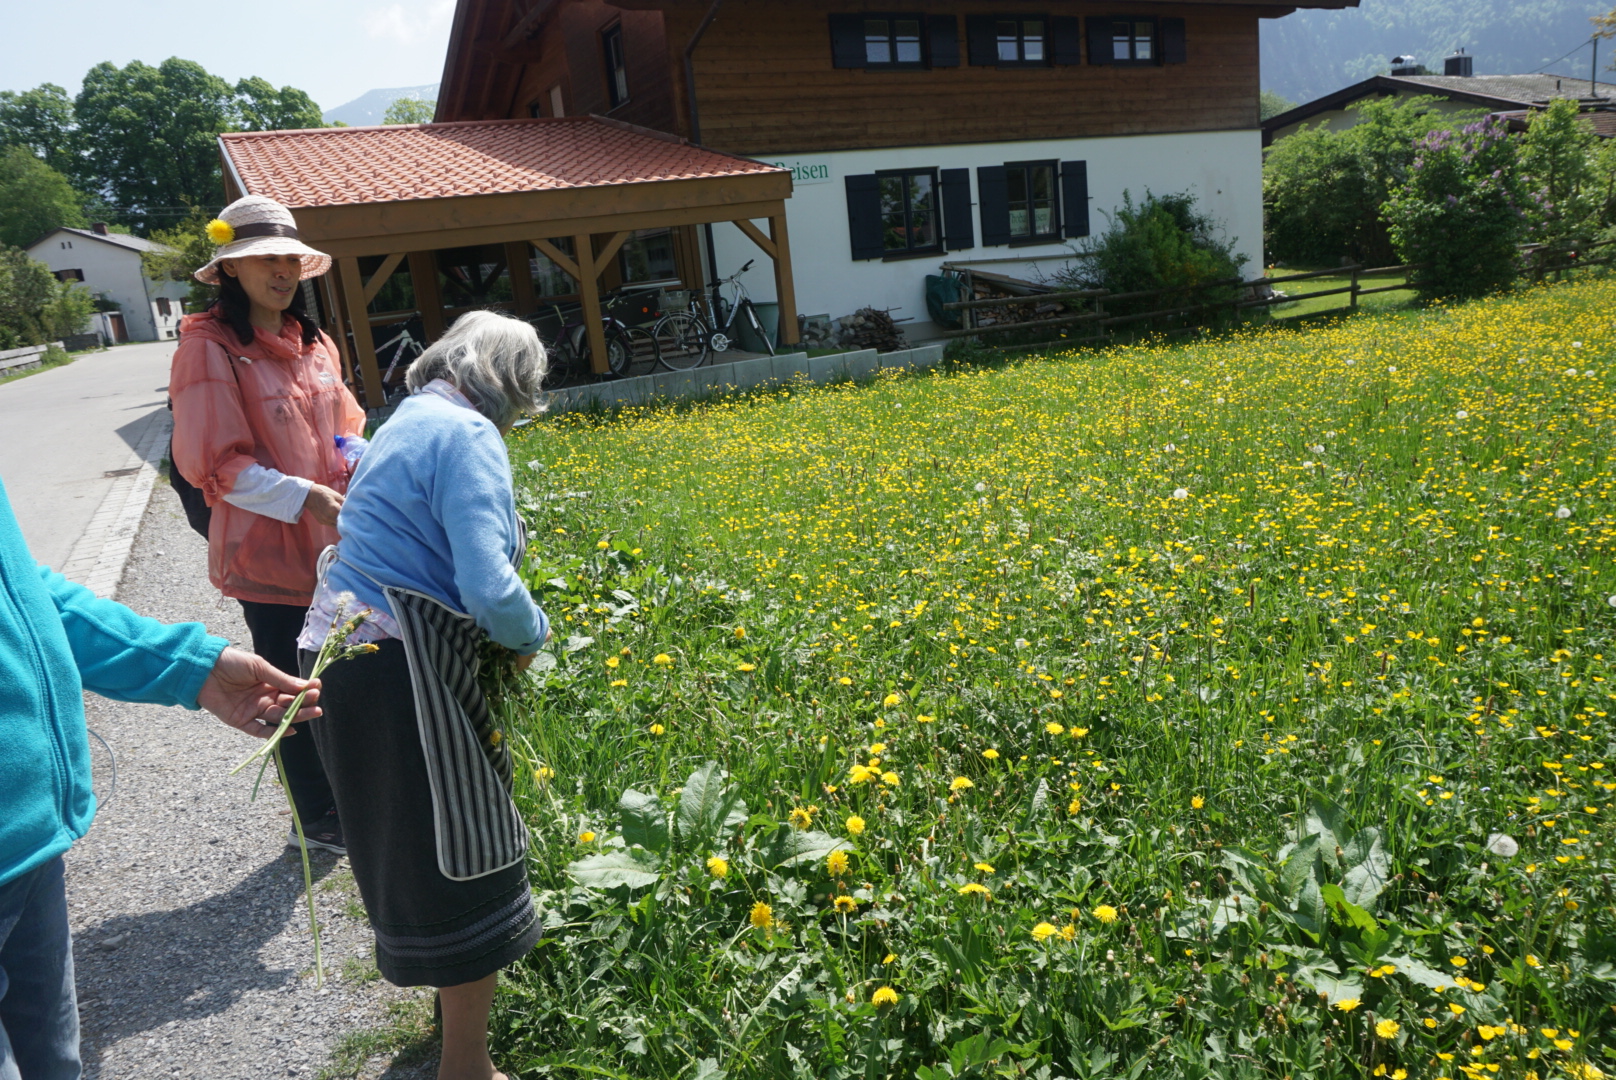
(738, 375)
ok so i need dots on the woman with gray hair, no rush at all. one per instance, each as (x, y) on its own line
(429, 550)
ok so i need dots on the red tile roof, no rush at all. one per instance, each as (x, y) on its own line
(346, 166)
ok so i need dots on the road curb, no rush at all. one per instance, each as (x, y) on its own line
(100, 555)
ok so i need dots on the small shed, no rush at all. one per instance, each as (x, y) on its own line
(442, 218)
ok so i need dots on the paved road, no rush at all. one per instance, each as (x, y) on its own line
(63, 430)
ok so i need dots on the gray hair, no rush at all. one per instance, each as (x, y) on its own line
(496, 360)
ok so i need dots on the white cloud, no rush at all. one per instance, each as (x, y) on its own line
(410, 23)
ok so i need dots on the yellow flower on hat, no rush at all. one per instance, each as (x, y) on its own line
(220, 231)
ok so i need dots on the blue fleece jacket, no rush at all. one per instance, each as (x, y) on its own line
(56, 641)
(431, 508)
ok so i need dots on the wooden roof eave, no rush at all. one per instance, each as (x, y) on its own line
(384, 228)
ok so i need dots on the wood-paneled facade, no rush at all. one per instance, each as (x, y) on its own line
(765, 81)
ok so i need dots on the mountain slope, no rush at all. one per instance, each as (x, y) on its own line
(1311, 53)
(368, 108)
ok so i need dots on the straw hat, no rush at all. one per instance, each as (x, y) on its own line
(256, 225)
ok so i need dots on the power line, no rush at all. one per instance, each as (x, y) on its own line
(1543, 70)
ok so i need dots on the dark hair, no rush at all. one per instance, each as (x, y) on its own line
(234, 307)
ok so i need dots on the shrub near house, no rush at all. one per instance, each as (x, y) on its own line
(34, 306)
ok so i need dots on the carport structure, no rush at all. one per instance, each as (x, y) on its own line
(405, 193)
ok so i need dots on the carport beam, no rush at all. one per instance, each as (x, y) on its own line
(353, 290)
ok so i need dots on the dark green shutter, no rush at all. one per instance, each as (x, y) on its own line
(1175, 47)
(958, 232)
(943, 32)
(1075, 198)
(1099, 28)
(847, 41)
(993, 204)
(864, 216)
(1066, 39)
(982, 41)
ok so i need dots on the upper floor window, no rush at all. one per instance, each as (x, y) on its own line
(1030, 190)
(163, 307)
(893, 42)
(1133, 41)
(616, 69)
(1020, 41)
(69, 275)
(67, 245)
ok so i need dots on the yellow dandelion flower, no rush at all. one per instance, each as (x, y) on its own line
(1532, 961)
(657, 729)
(974, 889)
(586, 837)
(744, 666)
(890, 779)
(761, 916)
(883, 997)
(717, 866)
(1197, 802)
(844, 681)
(800, 818)
(1054, 728)
(1388, 1029)
(1069, 931)
(986, 868)
(1075, 806)
(991, 754)
(960, 783)
(858, 774)
(837, 863)
(1044, 931)
(1348, 1004)
(662, 659)
(891, 700)
(740, 632)
(845, 904)
(220, 231)
(855, 825)
(1078, 732)
(1106, 913)
(924, 719)
(612, 661)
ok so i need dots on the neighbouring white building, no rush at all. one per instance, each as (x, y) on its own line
(108, 264)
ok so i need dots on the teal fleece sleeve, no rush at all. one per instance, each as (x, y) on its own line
(128, 657)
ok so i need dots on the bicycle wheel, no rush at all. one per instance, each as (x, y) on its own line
(632, 351)
(681, 341)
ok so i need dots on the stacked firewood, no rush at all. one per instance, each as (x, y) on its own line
(871, 328)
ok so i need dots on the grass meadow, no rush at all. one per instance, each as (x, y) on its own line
(1232, 709)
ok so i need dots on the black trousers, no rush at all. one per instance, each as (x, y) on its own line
(274, 629)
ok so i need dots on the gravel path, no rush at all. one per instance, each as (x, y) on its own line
(191, 935)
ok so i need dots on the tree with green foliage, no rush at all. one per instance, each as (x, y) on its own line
(186, 248)
(407, 110)
(1271, 104)
(34, 306)
(261, 107)
(1323, 190)
(150, 136)
(1558, 158)
(34, 198)
(1163, 242)
(41, 121)
(1461, 212)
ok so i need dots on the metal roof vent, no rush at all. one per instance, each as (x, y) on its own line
(1458, 64)
(1405, 65)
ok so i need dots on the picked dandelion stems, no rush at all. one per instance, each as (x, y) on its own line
(331, 650)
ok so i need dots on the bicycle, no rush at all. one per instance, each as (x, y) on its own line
(630, 350)
(721, 339)
(405, 350)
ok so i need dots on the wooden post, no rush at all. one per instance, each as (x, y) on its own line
(353, 289)
(1355, 270)
(785, 289)
(424, 280)
(338, 330)
(589, 292)
(518, 259)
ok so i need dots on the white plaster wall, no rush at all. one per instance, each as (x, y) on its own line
(114, 271)
(1222, 169)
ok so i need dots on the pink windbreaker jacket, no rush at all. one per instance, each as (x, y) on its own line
(276, 402)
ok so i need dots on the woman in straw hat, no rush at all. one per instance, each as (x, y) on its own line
(268, 433)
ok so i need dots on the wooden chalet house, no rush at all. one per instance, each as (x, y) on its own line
(915, 130)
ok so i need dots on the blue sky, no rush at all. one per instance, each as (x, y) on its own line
(334, 49)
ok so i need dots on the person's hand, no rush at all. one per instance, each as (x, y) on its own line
(322, 504)
(251, 694)
(525, 662)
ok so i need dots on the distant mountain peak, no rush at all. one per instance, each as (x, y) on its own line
(368, 108)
